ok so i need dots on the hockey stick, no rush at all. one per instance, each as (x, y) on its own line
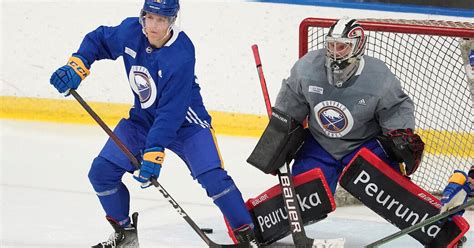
(135, 163)
(421, 224)
(284, 175)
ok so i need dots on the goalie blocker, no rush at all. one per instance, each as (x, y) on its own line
(398, 200)
(270, 216)
(279, 143)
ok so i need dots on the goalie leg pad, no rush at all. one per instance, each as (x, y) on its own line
(312, 155)
(456, 228)
(279, 143)
(394, 197)
(269, 214)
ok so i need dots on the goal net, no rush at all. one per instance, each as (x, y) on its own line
(429, 58)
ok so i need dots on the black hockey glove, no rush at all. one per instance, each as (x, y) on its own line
(403, 146)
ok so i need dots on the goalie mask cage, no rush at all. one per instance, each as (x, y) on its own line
(429, 58)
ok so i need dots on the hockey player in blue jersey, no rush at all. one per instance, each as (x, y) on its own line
(168, 114)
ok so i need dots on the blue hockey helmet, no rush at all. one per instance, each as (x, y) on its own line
(168, 8)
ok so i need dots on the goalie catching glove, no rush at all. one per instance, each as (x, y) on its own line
(405, 147)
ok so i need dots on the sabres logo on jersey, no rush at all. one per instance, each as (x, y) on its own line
(143, 85)
(334, 118)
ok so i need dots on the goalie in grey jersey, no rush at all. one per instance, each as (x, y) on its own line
(351, 101)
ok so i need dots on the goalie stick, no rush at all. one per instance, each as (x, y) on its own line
(287, 186)
(160, 188)
(420, 225)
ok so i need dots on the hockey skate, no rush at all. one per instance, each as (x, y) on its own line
(245, 234)
(122, 237)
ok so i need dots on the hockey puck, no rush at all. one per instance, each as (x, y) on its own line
(207, 230)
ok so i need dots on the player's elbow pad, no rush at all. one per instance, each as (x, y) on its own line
(279, 143)
(403, 146)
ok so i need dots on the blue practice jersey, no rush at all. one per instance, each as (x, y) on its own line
(167, 98)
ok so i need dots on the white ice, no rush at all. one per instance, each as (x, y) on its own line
(47, 201)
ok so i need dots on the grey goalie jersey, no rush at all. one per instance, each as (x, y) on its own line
(341, 119)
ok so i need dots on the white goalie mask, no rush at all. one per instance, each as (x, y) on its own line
(345, 45)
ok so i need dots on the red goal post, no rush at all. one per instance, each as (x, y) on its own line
(429, 57)
(422, 27)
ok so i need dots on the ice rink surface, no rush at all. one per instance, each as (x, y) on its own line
(47, 201)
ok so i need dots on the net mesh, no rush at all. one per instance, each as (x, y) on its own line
(431, 70)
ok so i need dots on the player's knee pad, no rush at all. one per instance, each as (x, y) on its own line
(216, 182)
(104, 175)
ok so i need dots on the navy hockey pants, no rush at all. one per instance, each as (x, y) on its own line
(199, 152)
